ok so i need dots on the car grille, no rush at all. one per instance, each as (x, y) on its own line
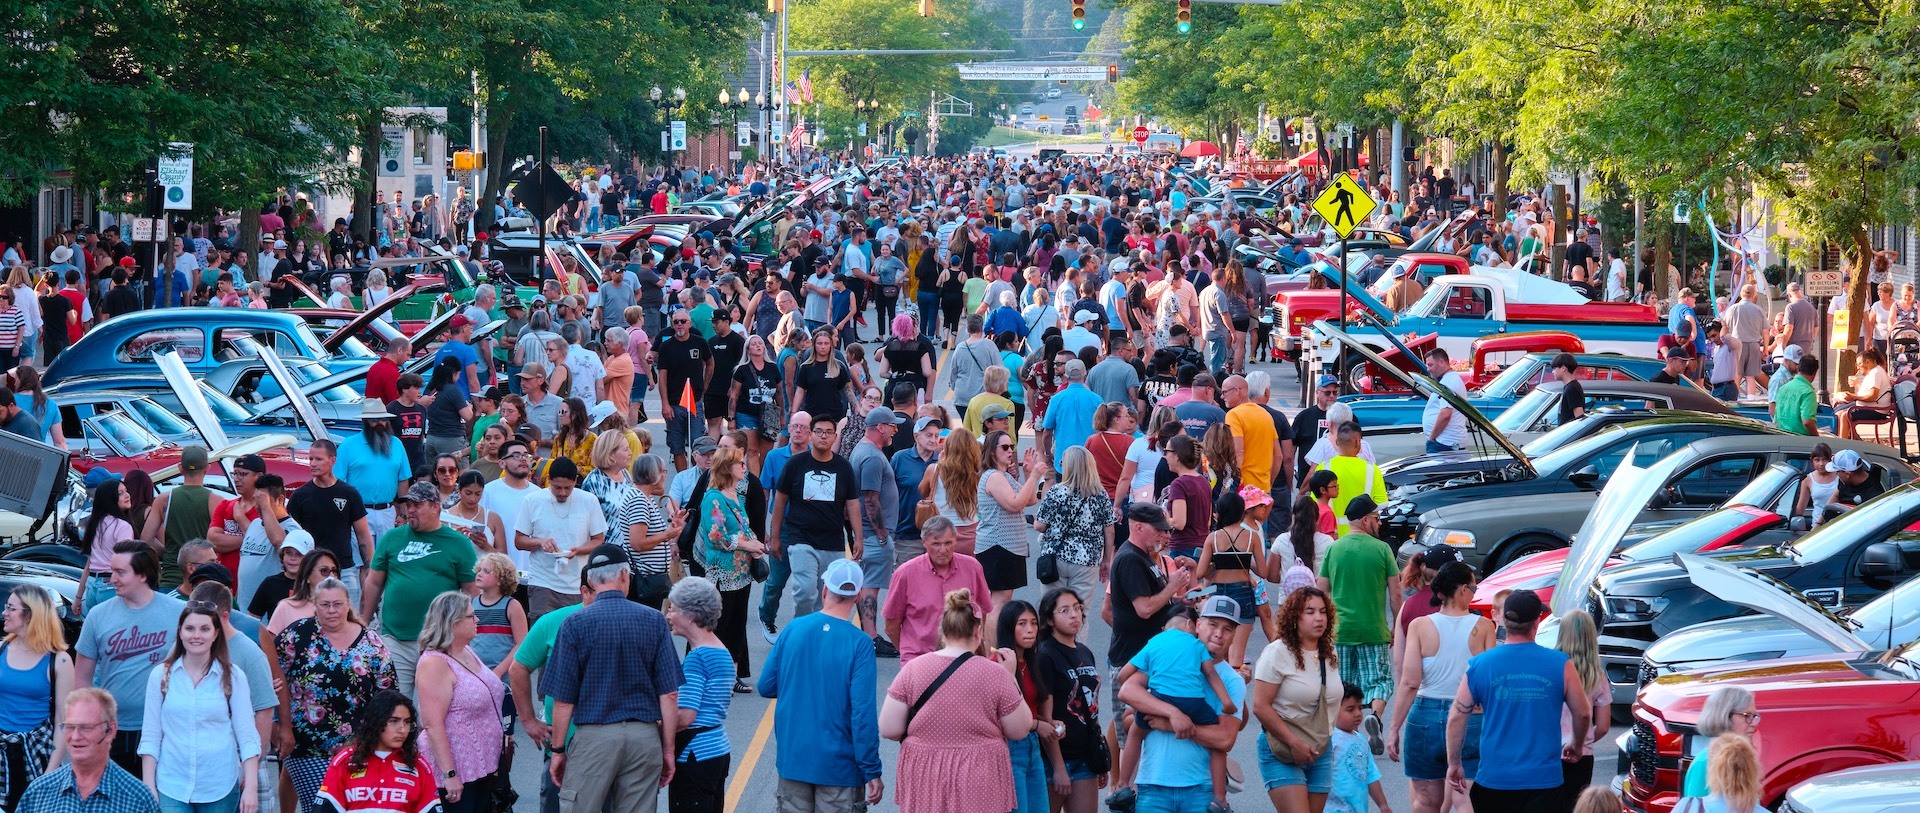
(1644, 761)
(1647, 673)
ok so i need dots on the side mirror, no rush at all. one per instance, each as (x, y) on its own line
(1881, 559)
(1586, 477)
(1661, 499)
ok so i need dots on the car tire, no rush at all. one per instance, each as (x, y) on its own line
(1520, 546)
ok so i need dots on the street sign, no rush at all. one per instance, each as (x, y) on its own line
(543, 192)
(1044, 118)
(1825, 284)
(1014, 71)
(665, 143)
(146, 229)
(1140, 135)
(1344, 205)
(176, 176)
(393, 140)
(678, 133)
(1681, 215)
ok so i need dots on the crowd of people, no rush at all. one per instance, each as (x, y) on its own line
(866, 425)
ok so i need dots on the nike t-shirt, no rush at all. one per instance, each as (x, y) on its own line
(419, 566)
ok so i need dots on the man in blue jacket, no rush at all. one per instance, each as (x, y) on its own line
(821, 670)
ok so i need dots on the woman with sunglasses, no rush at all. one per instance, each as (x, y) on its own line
(446, 474)
(34, 669)
(380, 768)
(1003, 494)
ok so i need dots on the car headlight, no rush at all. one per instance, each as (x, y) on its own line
(1634, 610)
(1443, 536)
(1396, 511)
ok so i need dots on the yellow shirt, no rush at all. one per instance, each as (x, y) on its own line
(580, 453)
(978, 405)
(1253, 425)
(1356, 477)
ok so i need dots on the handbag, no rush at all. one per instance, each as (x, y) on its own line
(924, 510)
(1047, 568)
(1315, 730)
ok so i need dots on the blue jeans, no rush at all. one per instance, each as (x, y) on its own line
(1161, 799)
(228, 805)
(1029, 774)
(1437, 448)
(777, 574)
(929, 308)
(98, 591)
(1217, 354)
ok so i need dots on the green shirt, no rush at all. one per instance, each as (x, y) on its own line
(480, 425)
(702, 316)
(537, 645)
(1356, 568)
(1795, 405)
(419, 566)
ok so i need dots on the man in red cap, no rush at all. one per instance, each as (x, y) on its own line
(459, 345)
(121, 298)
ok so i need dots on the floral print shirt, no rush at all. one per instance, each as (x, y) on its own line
(1076, 525)
(721, 519)
(327, 685)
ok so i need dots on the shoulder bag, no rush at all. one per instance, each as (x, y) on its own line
(1315, 730)
(935, 686)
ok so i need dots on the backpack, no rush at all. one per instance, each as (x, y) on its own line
(1296, 576)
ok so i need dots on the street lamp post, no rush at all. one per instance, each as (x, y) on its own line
(767, 104)
(666, 104)
(734, 105)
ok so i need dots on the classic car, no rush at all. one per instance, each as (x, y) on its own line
(1837, 565)
(1392, 414)
(204, 338)
(438, 273)
(1494, 356)
(1888, 788)
(1538, 412)
(1426, 468)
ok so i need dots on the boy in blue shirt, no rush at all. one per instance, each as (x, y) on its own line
(842, 310)
(1180, 672)
(1355, 775)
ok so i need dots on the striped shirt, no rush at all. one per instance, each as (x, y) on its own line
(13, 326)
(643, 508)
(708, 691)
(493, 635)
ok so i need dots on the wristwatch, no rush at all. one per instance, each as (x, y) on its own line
(451, 773)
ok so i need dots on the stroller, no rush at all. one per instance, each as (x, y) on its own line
(1903, 351)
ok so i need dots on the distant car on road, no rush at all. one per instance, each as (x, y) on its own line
(1070, 128)
(1053, 93)
(1045, 129)
(1026, 108)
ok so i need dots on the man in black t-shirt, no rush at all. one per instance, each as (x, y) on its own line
(1143, 594)
(1310, 423)
(334, 513)
(1573, 396)
(1858, 483)
(815, 504)
(727, 348)
(682, 360)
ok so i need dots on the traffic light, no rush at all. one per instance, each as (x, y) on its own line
(1079, 14)
(1185, 16)
(1113, 74)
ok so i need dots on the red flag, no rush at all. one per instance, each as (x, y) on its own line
(686, 395)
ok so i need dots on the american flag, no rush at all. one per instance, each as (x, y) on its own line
(799, 133)
(793, 93)
(806, 86)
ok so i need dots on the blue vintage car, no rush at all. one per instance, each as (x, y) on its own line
(1401, 413)
(204, 338)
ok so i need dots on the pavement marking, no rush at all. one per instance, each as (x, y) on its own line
(744, 774)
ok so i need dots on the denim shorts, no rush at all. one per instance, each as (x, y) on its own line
(1318, 777)
(1242, 594)
(1424, 741)
(1078, 769)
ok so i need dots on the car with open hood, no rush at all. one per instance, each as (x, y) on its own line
(1842, 565)
(1690, 479)
(1850, 706)
(1401, 412)
(204, 338)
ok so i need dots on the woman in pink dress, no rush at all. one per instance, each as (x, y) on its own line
(953, 739)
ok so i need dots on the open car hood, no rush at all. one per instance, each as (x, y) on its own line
(188, 392)
(291, 387)
(1619, 503)
(1757, 591)
(253, 445)
(1355, 290)
(1426, 387)
(779, 205)
(333, 340)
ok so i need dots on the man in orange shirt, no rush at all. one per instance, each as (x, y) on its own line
(1255, 442)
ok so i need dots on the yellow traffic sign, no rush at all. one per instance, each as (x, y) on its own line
(1344, 205)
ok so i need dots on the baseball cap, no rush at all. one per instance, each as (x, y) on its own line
(1326, 380)
(1076, 369)
(843, 577)
(605, 554)
(213, 572)
(1117, 265)
(926, 421)
(511, 301)
(492, 393)
(459, 321)
(98, 475)
(1361, 506)
(251, 462)
(279, 245)
(993, 412)
(462, 251)
(1439, 555)
(1221, 607)
(1523, 607)
(1085, 316)
(705, 444)
(1846, 460)
(126, 262)
(531, 369)
(600, 411)
(193, 458)
(298, 541)
(1791, 352)
(1150, 514)
(420, 492)
(884, 416)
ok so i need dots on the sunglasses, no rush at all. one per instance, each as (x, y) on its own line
(447, 470)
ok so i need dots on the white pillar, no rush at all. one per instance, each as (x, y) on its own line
(1399, 166)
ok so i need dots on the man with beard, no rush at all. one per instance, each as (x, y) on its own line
(376, 464)
(505, 495)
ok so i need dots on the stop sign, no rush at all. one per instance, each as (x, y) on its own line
(1140, 135)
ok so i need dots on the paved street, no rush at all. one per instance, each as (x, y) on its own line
(750, 722)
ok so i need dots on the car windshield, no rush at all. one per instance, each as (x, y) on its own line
(1843, 534)
(309, 373)
(1763, 489)
(158, 419)
(126, 433)
(225, 409)
(1512, 379)
(1577, 451)
(1896, 609)
(1520, 416)
(1694, 535)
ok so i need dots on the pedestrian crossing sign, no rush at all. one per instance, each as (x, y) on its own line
(1344, 205)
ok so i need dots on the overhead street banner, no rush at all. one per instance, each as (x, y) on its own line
(995, 71)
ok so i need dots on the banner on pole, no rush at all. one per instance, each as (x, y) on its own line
(176, 176)
(678, 133)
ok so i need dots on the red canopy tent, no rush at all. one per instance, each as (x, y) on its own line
(1312, 159)
(1196, 149)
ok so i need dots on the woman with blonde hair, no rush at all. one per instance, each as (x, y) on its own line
(461, 734)
(36, 669)
(959, 737)
(954, 488)
(1734, 776)
(1580, 640)
(20, 281)
(1077, 523)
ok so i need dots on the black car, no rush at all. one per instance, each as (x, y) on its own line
(61, 581)
(1841, 565)
(1583, 465)
(1417, 469)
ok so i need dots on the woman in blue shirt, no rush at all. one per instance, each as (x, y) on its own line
(34, 401)
(702, 754)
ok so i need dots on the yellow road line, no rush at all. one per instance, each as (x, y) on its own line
(744, 773)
